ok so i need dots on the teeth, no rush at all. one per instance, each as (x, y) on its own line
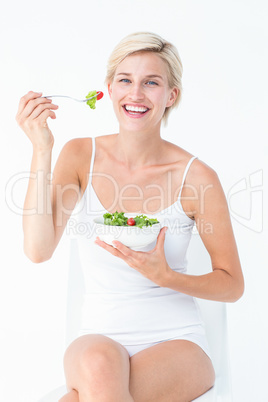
(136, 108)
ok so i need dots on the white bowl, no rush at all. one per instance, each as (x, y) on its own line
(130, 236)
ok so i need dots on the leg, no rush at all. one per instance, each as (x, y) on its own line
(97, 368)
(172, 371)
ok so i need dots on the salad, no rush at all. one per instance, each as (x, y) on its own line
(119, 219)
(92, 102)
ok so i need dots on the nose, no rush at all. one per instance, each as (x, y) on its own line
(136, 92)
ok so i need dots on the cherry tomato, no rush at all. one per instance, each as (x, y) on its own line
(131, 222)
(100, 95)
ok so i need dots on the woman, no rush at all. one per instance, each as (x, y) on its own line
(141, 337)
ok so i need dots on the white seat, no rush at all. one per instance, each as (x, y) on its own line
(213, 314)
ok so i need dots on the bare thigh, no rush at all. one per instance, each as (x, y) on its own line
(172, 371)
(93, 362)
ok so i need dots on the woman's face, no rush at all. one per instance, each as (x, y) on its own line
(140, 92)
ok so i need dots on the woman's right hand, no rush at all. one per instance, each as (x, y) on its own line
(32, 116)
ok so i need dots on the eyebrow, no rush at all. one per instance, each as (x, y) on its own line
(147, 76)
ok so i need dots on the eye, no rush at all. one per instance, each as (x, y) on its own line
(126, 80)
(152, 83)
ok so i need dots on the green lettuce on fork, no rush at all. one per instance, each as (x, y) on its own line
(119, 219)
(92, 102)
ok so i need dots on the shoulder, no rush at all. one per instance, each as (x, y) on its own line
(200, 173)
(77, 146)
(83, 146)
(75, 157)
(76, 152)
(72, 158)
(205, 190)
(202, 188)
(80, 149)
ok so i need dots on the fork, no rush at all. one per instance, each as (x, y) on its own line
(69, 97)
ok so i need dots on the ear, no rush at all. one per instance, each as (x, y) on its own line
(173, 96)
(110, 89)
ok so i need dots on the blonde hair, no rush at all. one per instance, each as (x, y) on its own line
(149, 42)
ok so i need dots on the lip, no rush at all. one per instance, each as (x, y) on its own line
(136, 115)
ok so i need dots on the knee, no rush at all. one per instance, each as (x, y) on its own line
(93, 355)
(99, 359)
(96, 365)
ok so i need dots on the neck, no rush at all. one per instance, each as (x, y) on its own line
(138, 149)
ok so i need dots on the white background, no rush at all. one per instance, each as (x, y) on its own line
(62, 47)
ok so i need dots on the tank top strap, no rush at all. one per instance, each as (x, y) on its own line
(92, 159)
(185, 174)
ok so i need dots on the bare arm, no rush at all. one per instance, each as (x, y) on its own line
(213, 222)
(38, 226)
(48, 203)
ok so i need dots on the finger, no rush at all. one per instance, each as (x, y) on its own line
(44, 116)
(26, 98)
(29, 108)
(161, 238)
(107, 247)
(124, 249)
(40, 108)
(33, 104)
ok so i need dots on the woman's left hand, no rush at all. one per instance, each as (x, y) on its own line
(151, 264)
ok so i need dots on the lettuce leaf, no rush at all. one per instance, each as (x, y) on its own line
(142, 220)
(92, 102)
(116, 219)
(119, 219)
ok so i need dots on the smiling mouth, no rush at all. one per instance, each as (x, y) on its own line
(135, 110)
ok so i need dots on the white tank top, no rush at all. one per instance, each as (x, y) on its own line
(121, 303)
